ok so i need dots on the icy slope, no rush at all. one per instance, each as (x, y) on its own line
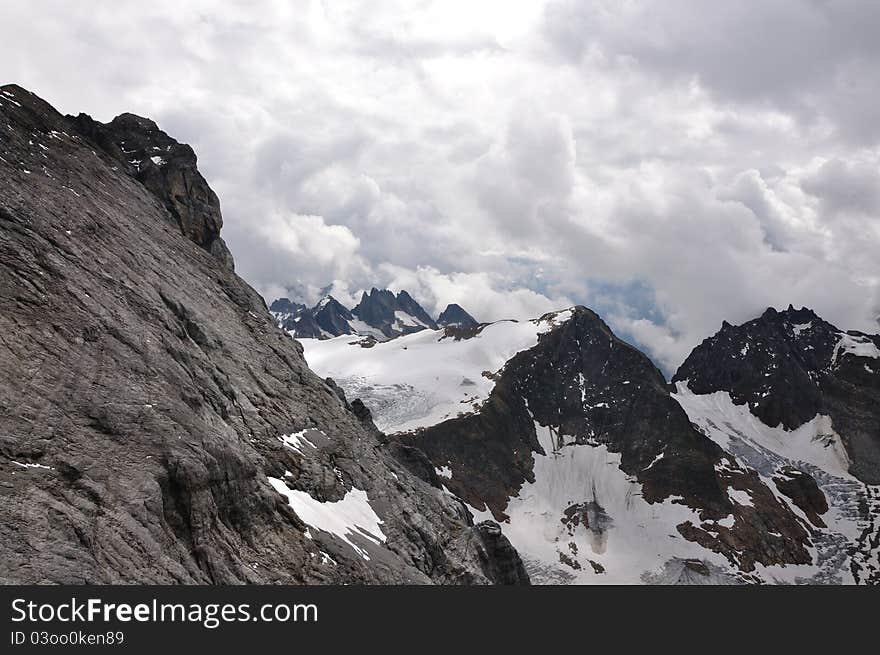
(848, 546)
(584, 521)
(789, 366)
(423, 378)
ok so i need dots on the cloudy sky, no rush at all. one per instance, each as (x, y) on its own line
(670, 164)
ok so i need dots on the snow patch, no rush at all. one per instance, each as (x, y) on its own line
(28, 465)
(627, 537)
(740, 497)
(859, 346)
(801, 327)
(353, 515)
(444, 472)
(297, 441)
(720, 419)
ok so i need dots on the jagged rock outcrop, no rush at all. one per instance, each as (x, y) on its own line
(455, 316)
(408, 305)
(326, 319)
(284, 307)
(790, 366)
(167, 169)
(155, 424)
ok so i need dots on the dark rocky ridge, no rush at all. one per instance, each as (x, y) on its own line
(406, 303)
(165, 167)
(145, 386)
(593, 388)
(327, 318)
(787, 367)
(285, 307)
(455, 316)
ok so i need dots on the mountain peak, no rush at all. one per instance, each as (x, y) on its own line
(285, 306)
(790, 366)
(455, 315)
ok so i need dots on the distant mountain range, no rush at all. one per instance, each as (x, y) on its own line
(380, 315)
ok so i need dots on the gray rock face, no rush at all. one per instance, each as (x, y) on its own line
(146, 391)
(167, 169)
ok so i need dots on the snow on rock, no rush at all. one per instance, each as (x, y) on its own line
(720, 419)
(740, 497)
(353, 515)
(407, 320)
(801, 327)
(584, 521)
(860, 346)
(423, 378)
(28, 465)
(844, 551)
(297, 441)
(363, 328)
(443, 472)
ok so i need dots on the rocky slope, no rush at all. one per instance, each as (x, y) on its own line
(570, 438)
(155, 425)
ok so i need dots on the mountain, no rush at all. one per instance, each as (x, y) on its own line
(380, 315)
(789, 366)
(392, 315)
(326, 319)
(571, 439)
(790, 394)
(282, 308)
(455, 316)
(156, 425)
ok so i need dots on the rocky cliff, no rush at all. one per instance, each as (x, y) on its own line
(155, 424)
